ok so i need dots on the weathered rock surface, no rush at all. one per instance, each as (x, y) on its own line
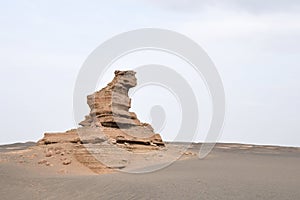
(110, 106)
(109, 122)
(110, 112)
(70, 136)
(109, 118)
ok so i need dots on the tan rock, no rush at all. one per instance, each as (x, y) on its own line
(109, 123)
(49, 153)
(110, 112)
(67, 162)
(70, 136)
(58, 152)
(41, 162)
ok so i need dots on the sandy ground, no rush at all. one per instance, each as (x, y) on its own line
(231, 171)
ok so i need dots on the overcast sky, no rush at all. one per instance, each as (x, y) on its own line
(254, 44)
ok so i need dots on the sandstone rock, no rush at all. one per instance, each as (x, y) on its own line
(58, 152)
(110, 113)
(110, 106)
(67, 162)
(42, 162)
(62, 159)
(109, 118)
(109, 124)
(49, 153)
(70, 136)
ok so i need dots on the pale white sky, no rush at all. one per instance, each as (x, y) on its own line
(255, 46)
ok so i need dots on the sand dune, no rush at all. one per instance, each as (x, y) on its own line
(231, 171)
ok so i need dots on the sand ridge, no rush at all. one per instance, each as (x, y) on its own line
(231, 171)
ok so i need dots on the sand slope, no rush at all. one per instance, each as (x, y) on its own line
(229, 172)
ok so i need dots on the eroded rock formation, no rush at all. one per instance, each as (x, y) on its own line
(109, 118)
(110, 106)
(110, 112)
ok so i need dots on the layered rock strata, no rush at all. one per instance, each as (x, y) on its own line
(110, 119)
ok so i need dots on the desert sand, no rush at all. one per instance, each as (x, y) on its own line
(230, 171)
(113, 155)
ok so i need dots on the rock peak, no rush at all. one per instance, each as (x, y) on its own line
(110, 105)
(109, 109)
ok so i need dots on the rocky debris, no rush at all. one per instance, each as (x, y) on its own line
(43, 161)
(57, 152)
(49, 153)
(48, 164)
(67, 162)
(189, 153)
